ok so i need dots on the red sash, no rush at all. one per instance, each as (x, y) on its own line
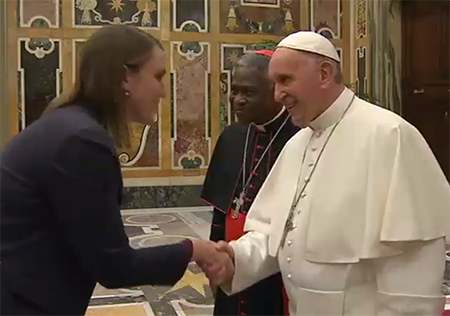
(234, 229)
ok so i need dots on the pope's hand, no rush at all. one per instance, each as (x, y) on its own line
(223, 246)
(225, 275)
(215, 262)
(210, 260)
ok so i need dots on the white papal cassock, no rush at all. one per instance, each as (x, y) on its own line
(370, 227)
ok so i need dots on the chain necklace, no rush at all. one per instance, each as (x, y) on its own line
(240, 200)
(299, 193)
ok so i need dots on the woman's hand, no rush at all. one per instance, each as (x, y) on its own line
(214, 263)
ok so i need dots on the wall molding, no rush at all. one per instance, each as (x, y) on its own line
(4, 103)
(163, 181)
(162, 196)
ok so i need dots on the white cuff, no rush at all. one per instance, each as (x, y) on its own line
(240, 279)
(252, 262)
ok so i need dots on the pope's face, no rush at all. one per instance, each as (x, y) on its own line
(297, 83)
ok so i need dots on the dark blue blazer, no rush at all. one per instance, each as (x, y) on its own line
(60, 222)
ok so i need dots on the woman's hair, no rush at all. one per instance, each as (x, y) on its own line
(105, 58)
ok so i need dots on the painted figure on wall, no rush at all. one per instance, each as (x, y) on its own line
(140, 13)
(259, 16)
(242, 159)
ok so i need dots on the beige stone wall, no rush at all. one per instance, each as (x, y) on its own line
(202, 39)
(4, 105)
(367, 33)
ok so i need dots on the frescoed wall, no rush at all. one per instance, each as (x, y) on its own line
(202, 38)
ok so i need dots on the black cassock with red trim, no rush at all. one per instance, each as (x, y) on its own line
(222, 187)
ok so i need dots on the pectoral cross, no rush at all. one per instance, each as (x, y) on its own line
(288, 227)
(239, 202)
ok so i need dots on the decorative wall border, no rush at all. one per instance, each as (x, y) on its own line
(199, 28)
(361, 18)
(50, 25)
(4, 95)
(39, 53)
(191, 54)
(129, 165)
(87, 26)
(362, 68)
(262, 5)
(339, 20)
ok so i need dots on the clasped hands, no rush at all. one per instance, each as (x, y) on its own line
(216, 261)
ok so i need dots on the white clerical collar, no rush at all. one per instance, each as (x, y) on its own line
(334, 113)
(262, 126)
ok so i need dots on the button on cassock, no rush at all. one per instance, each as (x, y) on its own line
(289, 276)
(289, 243)
(289, 260)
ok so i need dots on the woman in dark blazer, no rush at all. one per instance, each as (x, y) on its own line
(61, 186)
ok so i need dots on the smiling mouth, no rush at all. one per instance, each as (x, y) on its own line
(290, 106)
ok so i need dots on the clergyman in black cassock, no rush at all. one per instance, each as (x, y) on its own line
(242, 159)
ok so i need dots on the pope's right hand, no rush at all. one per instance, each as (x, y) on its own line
(225, 276)
(209, 259)
(223, 246)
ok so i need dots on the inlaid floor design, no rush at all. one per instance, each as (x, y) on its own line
(191, 296)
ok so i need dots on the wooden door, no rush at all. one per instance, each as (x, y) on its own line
(426, 80)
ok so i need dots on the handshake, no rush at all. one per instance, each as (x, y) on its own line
(216, 260)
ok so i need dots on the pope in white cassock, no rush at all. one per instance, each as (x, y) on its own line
(356, 209)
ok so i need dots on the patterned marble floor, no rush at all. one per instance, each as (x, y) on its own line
(191, 296)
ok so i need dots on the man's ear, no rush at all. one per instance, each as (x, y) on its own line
(326, 71)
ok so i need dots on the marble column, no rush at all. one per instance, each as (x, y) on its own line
(4, 94)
